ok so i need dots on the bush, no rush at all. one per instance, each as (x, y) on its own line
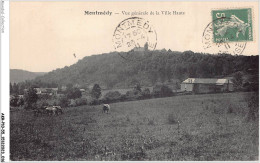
(77, 102)
(250, 86)
(238, 80)
(162, 91)
(112, 96)
(20, 102)
(133, 95)
(63, 101)
(146, 93)
(166, 91)
(30, 98)
(156, 91)
(74, 93)
(14, 100)
(96, 91)
(123, 98)
(138, 87)
(94, 101)
(80, 101)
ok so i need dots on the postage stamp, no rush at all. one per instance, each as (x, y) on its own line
(134, 33)
(234, 48)
(232, 25)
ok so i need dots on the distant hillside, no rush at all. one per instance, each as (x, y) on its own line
(17, 75)
(122, 70)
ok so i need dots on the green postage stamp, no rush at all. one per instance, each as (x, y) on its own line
(232, 25)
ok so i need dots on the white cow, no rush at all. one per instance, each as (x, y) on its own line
(53, 110)
(106, 108)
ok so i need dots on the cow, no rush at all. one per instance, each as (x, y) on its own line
(50, 110)
(54, 110)
(59, 109)
(106, 108)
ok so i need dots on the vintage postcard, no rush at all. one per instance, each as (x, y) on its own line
(129, 81)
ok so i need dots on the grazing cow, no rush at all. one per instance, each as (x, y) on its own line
(59, 109)
(50, 110)
(106, 108)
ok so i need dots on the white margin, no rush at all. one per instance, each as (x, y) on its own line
(5, 77)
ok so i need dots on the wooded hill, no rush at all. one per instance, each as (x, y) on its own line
(125, 69)
(17, 75)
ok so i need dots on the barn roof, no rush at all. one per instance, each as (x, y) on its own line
(207, 81)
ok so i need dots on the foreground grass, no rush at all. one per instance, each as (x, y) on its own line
(211, 127)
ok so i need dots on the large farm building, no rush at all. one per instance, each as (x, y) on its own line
(207, 85)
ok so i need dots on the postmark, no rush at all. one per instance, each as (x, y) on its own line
(232, 25)
(222, 46)
(133, 34)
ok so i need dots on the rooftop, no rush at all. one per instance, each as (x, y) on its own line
(207, 81)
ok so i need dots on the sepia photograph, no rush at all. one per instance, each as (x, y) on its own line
(133, 81)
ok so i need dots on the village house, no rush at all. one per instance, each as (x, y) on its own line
(49, 91)
(82, 90)
(207, 85)
(45, 91)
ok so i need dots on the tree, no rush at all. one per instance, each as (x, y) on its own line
(96, 91)
(20, 102)
(166, 91)
(59, 88)
(138, 87)
(15, 88)
(14, 100)
(63, 101)
(177, 85)
(30, 98)
(69, 87)
(162, 91)
(21, 88)
(74, 93)
(238, 80)
(162, 74)
(11, 88)
(168, 71)
(153, 75)
(146, 93)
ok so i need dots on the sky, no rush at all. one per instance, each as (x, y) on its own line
(45, 36)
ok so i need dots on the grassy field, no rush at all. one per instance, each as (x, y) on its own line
(211, 127)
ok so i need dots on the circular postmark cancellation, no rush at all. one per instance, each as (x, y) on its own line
(134, 33)
(222, 45)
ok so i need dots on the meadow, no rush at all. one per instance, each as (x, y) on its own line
(189, 127)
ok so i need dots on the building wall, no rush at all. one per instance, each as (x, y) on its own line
(187, 87)
(206, 88)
